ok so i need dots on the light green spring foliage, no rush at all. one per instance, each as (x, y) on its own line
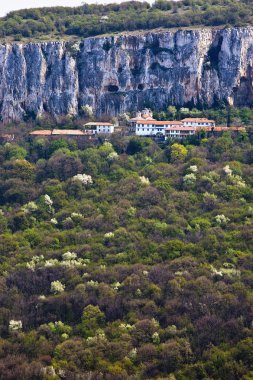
(145, 272)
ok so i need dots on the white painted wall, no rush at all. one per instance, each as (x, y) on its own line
(196, 124)
(178, 134)
(104, 129)
(149, 129)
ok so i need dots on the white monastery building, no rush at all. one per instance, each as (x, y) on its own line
(99, 127)
(198, 122)
(145, 125)
(179, 132)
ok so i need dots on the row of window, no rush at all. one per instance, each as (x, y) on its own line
(194, 123)
(150, 126)
(180, 132)
(150, 130)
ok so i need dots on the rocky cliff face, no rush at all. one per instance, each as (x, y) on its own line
(126, 73)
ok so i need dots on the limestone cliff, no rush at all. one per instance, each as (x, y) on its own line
(127, 72)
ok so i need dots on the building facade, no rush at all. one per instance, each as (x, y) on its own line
(179, 132)
(145, 125)
(99, 128)
(182, 132)
(198, 122)
(154, 127)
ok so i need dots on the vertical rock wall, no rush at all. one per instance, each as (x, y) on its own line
(127, 72)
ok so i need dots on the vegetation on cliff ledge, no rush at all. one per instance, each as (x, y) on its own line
(90, 20)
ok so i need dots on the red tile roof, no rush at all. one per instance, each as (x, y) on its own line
(198, 120)
(219, 128)
(60, 132)
(159, 122)
(42, 132)
(175, 122)
(180, 128)
(67, 132)
(98, 123)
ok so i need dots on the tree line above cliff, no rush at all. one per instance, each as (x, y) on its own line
(94, 19)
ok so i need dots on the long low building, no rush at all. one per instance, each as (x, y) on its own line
(179, 132)
(153, 127)
(90, 129)
(145, 125)
(198, 122)
(71, 133)
(184, 132)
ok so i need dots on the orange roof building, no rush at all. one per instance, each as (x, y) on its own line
(159, 122)
(60, 132)
(67, 132)
(95, 123)
(198, 121)
(42, 132)
(179, 132)
(99, 127)
(221, 129)
(186, 131)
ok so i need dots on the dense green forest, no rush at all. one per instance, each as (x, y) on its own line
(126, 259)
(90, 20)
(222, 114)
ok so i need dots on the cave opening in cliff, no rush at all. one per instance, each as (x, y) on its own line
(213, 53)
(112, 88)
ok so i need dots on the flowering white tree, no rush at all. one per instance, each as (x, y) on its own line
(237, 180)
(112, 156)
(189, 179)
(109, 235)
(84, 178)
(144, 180)
(30, 207)
(51, 263)
(133, 354)
(131, 212)
(227, 170)
(57, 287)
(126, 327)
(35, 261)
(221, 220)
(87, 110)
(233, 178)
(193, 168)
(70, 260)
(69, 256)
(48, 201)
(116, 285)
(76, 215)
(15, 325)
(156, 338)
